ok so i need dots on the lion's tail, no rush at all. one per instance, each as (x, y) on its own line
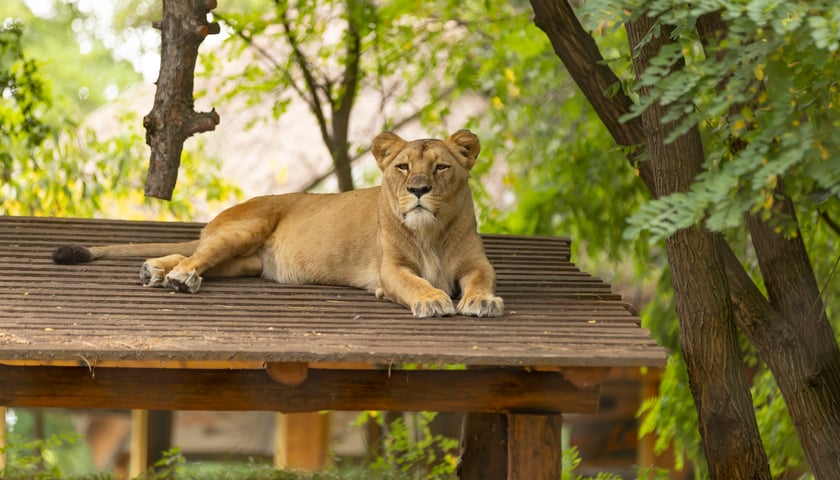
(72, 254)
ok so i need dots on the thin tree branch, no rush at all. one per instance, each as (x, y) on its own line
(315, 104)
(397, 125)
(830, 222)
(350, 81)
(262, 52)
(587, 67)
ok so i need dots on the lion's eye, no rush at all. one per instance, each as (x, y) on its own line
(441, 167)
(403, 167)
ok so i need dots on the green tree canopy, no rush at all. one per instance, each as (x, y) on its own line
(50, 164)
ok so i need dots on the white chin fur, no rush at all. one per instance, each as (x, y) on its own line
(419, 219)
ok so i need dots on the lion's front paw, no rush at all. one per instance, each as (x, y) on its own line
(181, 281)
(152, 275)
(481, 305)
(438, 305)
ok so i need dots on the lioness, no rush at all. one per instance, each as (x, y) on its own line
(412, 240)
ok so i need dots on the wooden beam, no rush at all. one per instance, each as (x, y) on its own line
(290, 374)
(535, 449)
(498, 390)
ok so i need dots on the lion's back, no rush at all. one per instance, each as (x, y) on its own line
(326, 239)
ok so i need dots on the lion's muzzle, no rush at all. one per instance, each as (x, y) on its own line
(419, 185)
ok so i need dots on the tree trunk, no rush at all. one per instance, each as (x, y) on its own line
(343, 106)
(708, 335)
(343, 168)
(803, 357)
(334, 130)
(810, 380)
(793, 292)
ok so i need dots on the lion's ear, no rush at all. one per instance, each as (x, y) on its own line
(466, 143)
(386, 144)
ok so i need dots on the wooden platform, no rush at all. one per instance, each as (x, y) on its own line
(91, 336)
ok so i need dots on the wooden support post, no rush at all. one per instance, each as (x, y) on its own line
(159, 435)
(484, 453)
(138, 455)
(281, 441)
(535, 449)
(2, 438)
(301, 441)
(645, 455)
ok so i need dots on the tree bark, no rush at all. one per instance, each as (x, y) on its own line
(335, 130)
(808, 381)
(811, 380)
(708, 335)
(582, 59)
(172, 119)
(793, 292)
(343, 107)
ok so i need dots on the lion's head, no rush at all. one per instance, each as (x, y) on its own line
(426, 180)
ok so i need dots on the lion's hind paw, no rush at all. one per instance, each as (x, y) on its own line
(152, 275)
(181, 281)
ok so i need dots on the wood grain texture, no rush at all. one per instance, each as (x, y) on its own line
(483, 449)
(485, 390)
(556, 315)
(535, 447)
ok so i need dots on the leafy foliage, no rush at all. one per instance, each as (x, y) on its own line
(411, 449)
(765, 94)
(323, 52)
(34, 459)
(68, 44)
(50, 165)
(23, 114)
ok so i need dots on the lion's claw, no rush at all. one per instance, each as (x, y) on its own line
(434, 307)
(152, 276)
(482, 305)
(186, 282)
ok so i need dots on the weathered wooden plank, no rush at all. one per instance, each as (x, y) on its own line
(485, 390)
(556, 315)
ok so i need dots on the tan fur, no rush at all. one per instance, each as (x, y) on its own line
(412, 240)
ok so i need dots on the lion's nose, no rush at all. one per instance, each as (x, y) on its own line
(419, 185)
(419, 191)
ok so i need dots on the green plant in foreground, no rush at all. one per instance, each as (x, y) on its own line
(37, 459)
(410, 451)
